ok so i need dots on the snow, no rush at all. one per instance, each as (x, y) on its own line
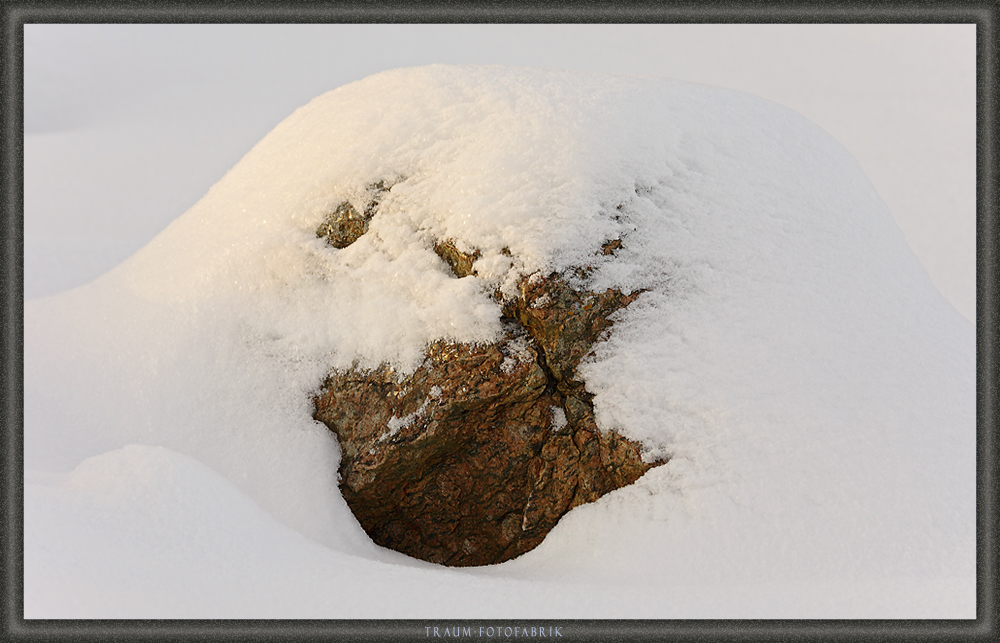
(900, 97)
(515, 351)
(395, 423)
(558, 418)
(815, 392)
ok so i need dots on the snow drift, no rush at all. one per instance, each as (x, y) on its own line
(814, 392)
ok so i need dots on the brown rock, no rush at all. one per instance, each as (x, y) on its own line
(611, 247)
(565, 322)
(345, 224)
(475, 456)
(459, 262)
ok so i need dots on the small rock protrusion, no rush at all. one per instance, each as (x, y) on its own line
(343, 227)
(345, 224)
(459, 262)
(610, 247)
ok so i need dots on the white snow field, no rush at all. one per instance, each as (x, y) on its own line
(815, 392)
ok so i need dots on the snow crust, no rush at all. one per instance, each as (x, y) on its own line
(814, 391)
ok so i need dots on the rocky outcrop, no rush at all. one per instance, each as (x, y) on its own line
(474, 457)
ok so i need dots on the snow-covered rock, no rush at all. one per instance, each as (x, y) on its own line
(814, 393)
(476, 455)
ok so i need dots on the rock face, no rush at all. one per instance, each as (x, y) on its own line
(475, 456)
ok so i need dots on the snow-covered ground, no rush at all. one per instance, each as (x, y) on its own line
(814, 389)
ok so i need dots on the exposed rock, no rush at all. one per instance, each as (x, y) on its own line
(475, 456)
(565, 323)
(610, 247)
(345, 224)
(460, 262)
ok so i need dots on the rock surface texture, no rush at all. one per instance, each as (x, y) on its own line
(475, 456)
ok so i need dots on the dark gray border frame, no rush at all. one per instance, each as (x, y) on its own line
(15, 14)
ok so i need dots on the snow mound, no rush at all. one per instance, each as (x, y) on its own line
(815, 393)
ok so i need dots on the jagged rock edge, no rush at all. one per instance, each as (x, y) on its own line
(461, 266)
